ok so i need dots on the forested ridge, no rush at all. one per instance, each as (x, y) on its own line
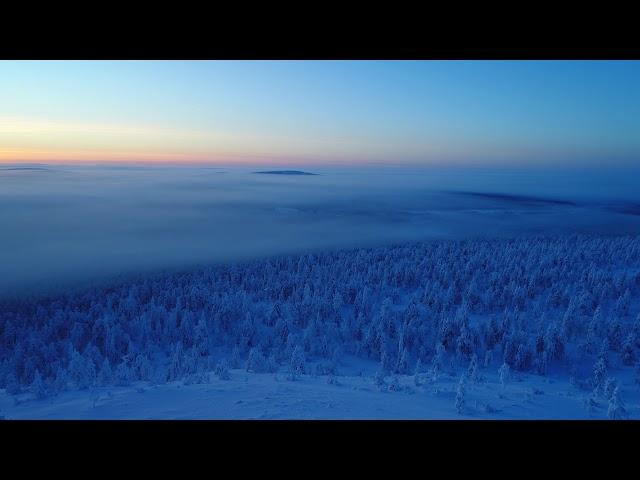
(525, 304)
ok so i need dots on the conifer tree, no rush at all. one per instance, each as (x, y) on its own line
(38, 387)
(472, 371)
(461, 395)
(505, 373)
(628, 350)
(617, 410)
(599, 376)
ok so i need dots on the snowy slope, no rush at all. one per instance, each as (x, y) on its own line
(268, 396)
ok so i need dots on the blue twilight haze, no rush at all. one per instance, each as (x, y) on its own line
(320, 240)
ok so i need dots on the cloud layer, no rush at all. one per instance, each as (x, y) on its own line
(68, 226)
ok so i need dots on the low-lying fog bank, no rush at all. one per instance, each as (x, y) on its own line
(65, 226)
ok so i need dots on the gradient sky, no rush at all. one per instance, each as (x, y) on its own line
(321, 112)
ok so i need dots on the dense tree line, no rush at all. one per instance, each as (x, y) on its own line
(527, 304)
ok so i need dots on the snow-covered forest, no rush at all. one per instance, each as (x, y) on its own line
(459, 309)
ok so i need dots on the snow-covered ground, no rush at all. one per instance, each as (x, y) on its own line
(272, 396)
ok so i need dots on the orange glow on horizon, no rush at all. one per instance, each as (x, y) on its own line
(82, 156)
(40, 141)
(16, 156)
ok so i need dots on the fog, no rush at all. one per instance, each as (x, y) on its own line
(67, 227)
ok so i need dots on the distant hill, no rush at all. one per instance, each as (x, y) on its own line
(285, 172)
(24, 166)
(516, 198)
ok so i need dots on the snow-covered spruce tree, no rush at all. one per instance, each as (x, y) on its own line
(403, 362)
(94, 396)
(437, 362)
(539, 344)
(465, 342)
(417, 374)
(593, 329)
(12, 385)
(505, 374)
(222, 370)
(142, 368)
(473, 371)
(554, 343)
(610, 385)
(628, 350)
(603, 353)
(271, 365)
(615, 334)
(326, 368)
(61, 380)
(488, 358)
(124, 374)
(235, 357)
(590, 403)
(449, 332)
(599, 376)
(573, 376)
(378, 379)
(177, 360)
(617, 410)
(38, 387)
(105, 374)
(336, 357)
(569, 320)
(493, 333)
(337, 303)
(296, 364)
(81, 371)
(201, 338)
(623, 303)
(635, 330)
(387, 360)
(542, 363)
(522, 360)
(255, 361)
(394, 384)
(460, 401)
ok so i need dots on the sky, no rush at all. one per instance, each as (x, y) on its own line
(321, 112)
